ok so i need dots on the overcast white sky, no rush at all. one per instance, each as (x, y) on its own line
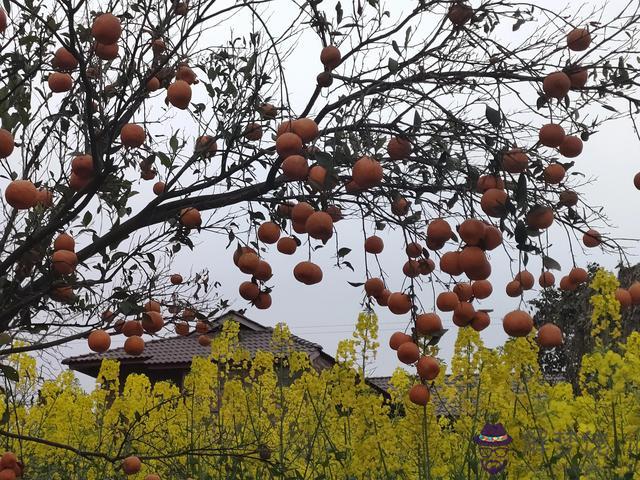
(327, 312)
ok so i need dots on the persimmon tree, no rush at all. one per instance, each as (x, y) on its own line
(134, 127)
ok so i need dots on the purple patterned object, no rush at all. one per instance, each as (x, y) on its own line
(493, 435)
(493, 443)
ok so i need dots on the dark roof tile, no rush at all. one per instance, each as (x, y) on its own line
(381, 382)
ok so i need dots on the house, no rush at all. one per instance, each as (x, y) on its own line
(170, 358)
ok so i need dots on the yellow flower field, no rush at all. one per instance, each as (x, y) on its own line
(284, 420)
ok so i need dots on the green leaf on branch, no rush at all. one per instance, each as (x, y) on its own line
(521, 191)
(521, 233)
(493, 116)
(86, 219)
(550, 264)
(541, 101)
(348, 265)
(406, 36)
(453, 200)
(164, 159)
(396, 48)
(325, 160)
(417, 121)
(9, 372)
(173, 143)
(393, 66)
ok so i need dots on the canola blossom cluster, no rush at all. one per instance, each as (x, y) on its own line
(275, 416)
(605, 314)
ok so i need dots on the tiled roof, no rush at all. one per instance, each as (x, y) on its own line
(442, 409)
(554, 378)
(180, 350)
(381, 382)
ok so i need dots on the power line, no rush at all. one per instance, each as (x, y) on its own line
(396, 322)
(325, 331)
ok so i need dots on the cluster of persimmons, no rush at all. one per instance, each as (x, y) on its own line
(10, 467)
(294, 147)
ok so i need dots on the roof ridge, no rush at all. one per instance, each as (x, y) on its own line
(304, 340)
(66, 361)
